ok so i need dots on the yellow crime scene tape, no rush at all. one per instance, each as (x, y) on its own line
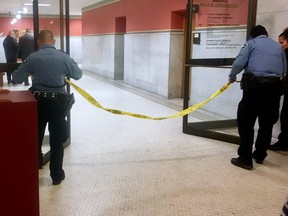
(93, 101)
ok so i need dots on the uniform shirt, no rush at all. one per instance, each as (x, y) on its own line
(262, 57)
(48, 68)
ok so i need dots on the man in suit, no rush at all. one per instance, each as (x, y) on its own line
(26, 47)
(11, 50)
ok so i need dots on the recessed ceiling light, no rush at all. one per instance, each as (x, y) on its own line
(25, 10)
(40, 5)
(18, 16)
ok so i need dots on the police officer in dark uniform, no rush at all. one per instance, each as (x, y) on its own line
(265, 62)
(48, 68)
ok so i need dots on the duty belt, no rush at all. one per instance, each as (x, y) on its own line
(267, 80)
(48, 95)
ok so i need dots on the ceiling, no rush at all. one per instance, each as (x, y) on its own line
(13, 6)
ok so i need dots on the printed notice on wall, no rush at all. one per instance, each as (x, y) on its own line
(220, 28)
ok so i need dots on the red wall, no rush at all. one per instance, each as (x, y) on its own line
(44, 23)
(148, 15)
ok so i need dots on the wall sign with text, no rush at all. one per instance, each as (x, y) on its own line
(220, 28)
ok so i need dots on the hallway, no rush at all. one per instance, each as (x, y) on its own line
(123, 166)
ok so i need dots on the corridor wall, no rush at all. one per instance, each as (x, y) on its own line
(152, 40)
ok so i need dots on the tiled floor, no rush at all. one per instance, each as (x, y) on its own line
(123, 166)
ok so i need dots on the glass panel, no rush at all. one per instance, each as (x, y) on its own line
(218, 32)
(49, 18)
(220, 28)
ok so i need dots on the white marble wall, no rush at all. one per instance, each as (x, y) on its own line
(76, 48)
(176, 65)
(2, 54)
(149, 61)
(153, 62)
(146, 61)
(273, 15)
(98, 54)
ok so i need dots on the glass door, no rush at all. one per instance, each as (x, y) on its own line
(215, 32)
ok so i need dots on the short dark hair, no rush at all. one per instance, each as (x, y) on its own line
(45, 36)
(284, 35)
(258, 30)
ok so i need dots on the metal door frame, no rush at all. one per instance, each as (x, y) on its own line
(205, 128)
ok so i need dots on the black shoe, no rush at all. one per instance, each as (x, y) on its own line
(239, 162)
(278, 147)
(257, 160)
(40, 161)
(27, 84)
(57, 182)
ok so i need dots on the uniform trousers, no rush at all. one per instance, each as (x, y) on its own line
(261, 102)
(50, 111)
(283, 136)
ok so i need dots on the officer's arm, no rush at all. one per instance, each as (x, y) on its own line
(240, 62)
(20, 75)
(74, 71)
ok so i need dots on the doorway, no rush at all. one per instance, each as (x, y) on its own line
(120, 29)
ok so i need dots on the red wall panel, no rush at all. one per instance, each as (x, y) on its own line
(148, 15)
(44, 23)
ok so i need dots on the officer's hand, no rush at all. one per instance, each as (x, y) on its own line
(231, 81)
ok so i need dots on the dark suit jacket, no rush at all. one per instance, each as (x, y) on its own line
(11, 49)
(26, 46)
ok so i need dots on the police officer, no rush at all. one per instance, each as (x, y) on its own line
(48, 68)
(265, 62)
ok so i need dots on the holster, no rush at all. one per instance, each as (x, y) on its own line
(248, 82)
(284, 84)
(68, 102)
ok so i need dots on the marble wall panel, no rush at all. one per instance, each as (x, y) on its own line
(147, 61)
(98, 54)
(176, 65)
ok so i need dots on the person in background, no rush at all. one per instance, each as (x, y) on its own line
(26, 47)
(284, 210)
(49, 67)
(282, 143)
(11, 51)
(264, 61)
